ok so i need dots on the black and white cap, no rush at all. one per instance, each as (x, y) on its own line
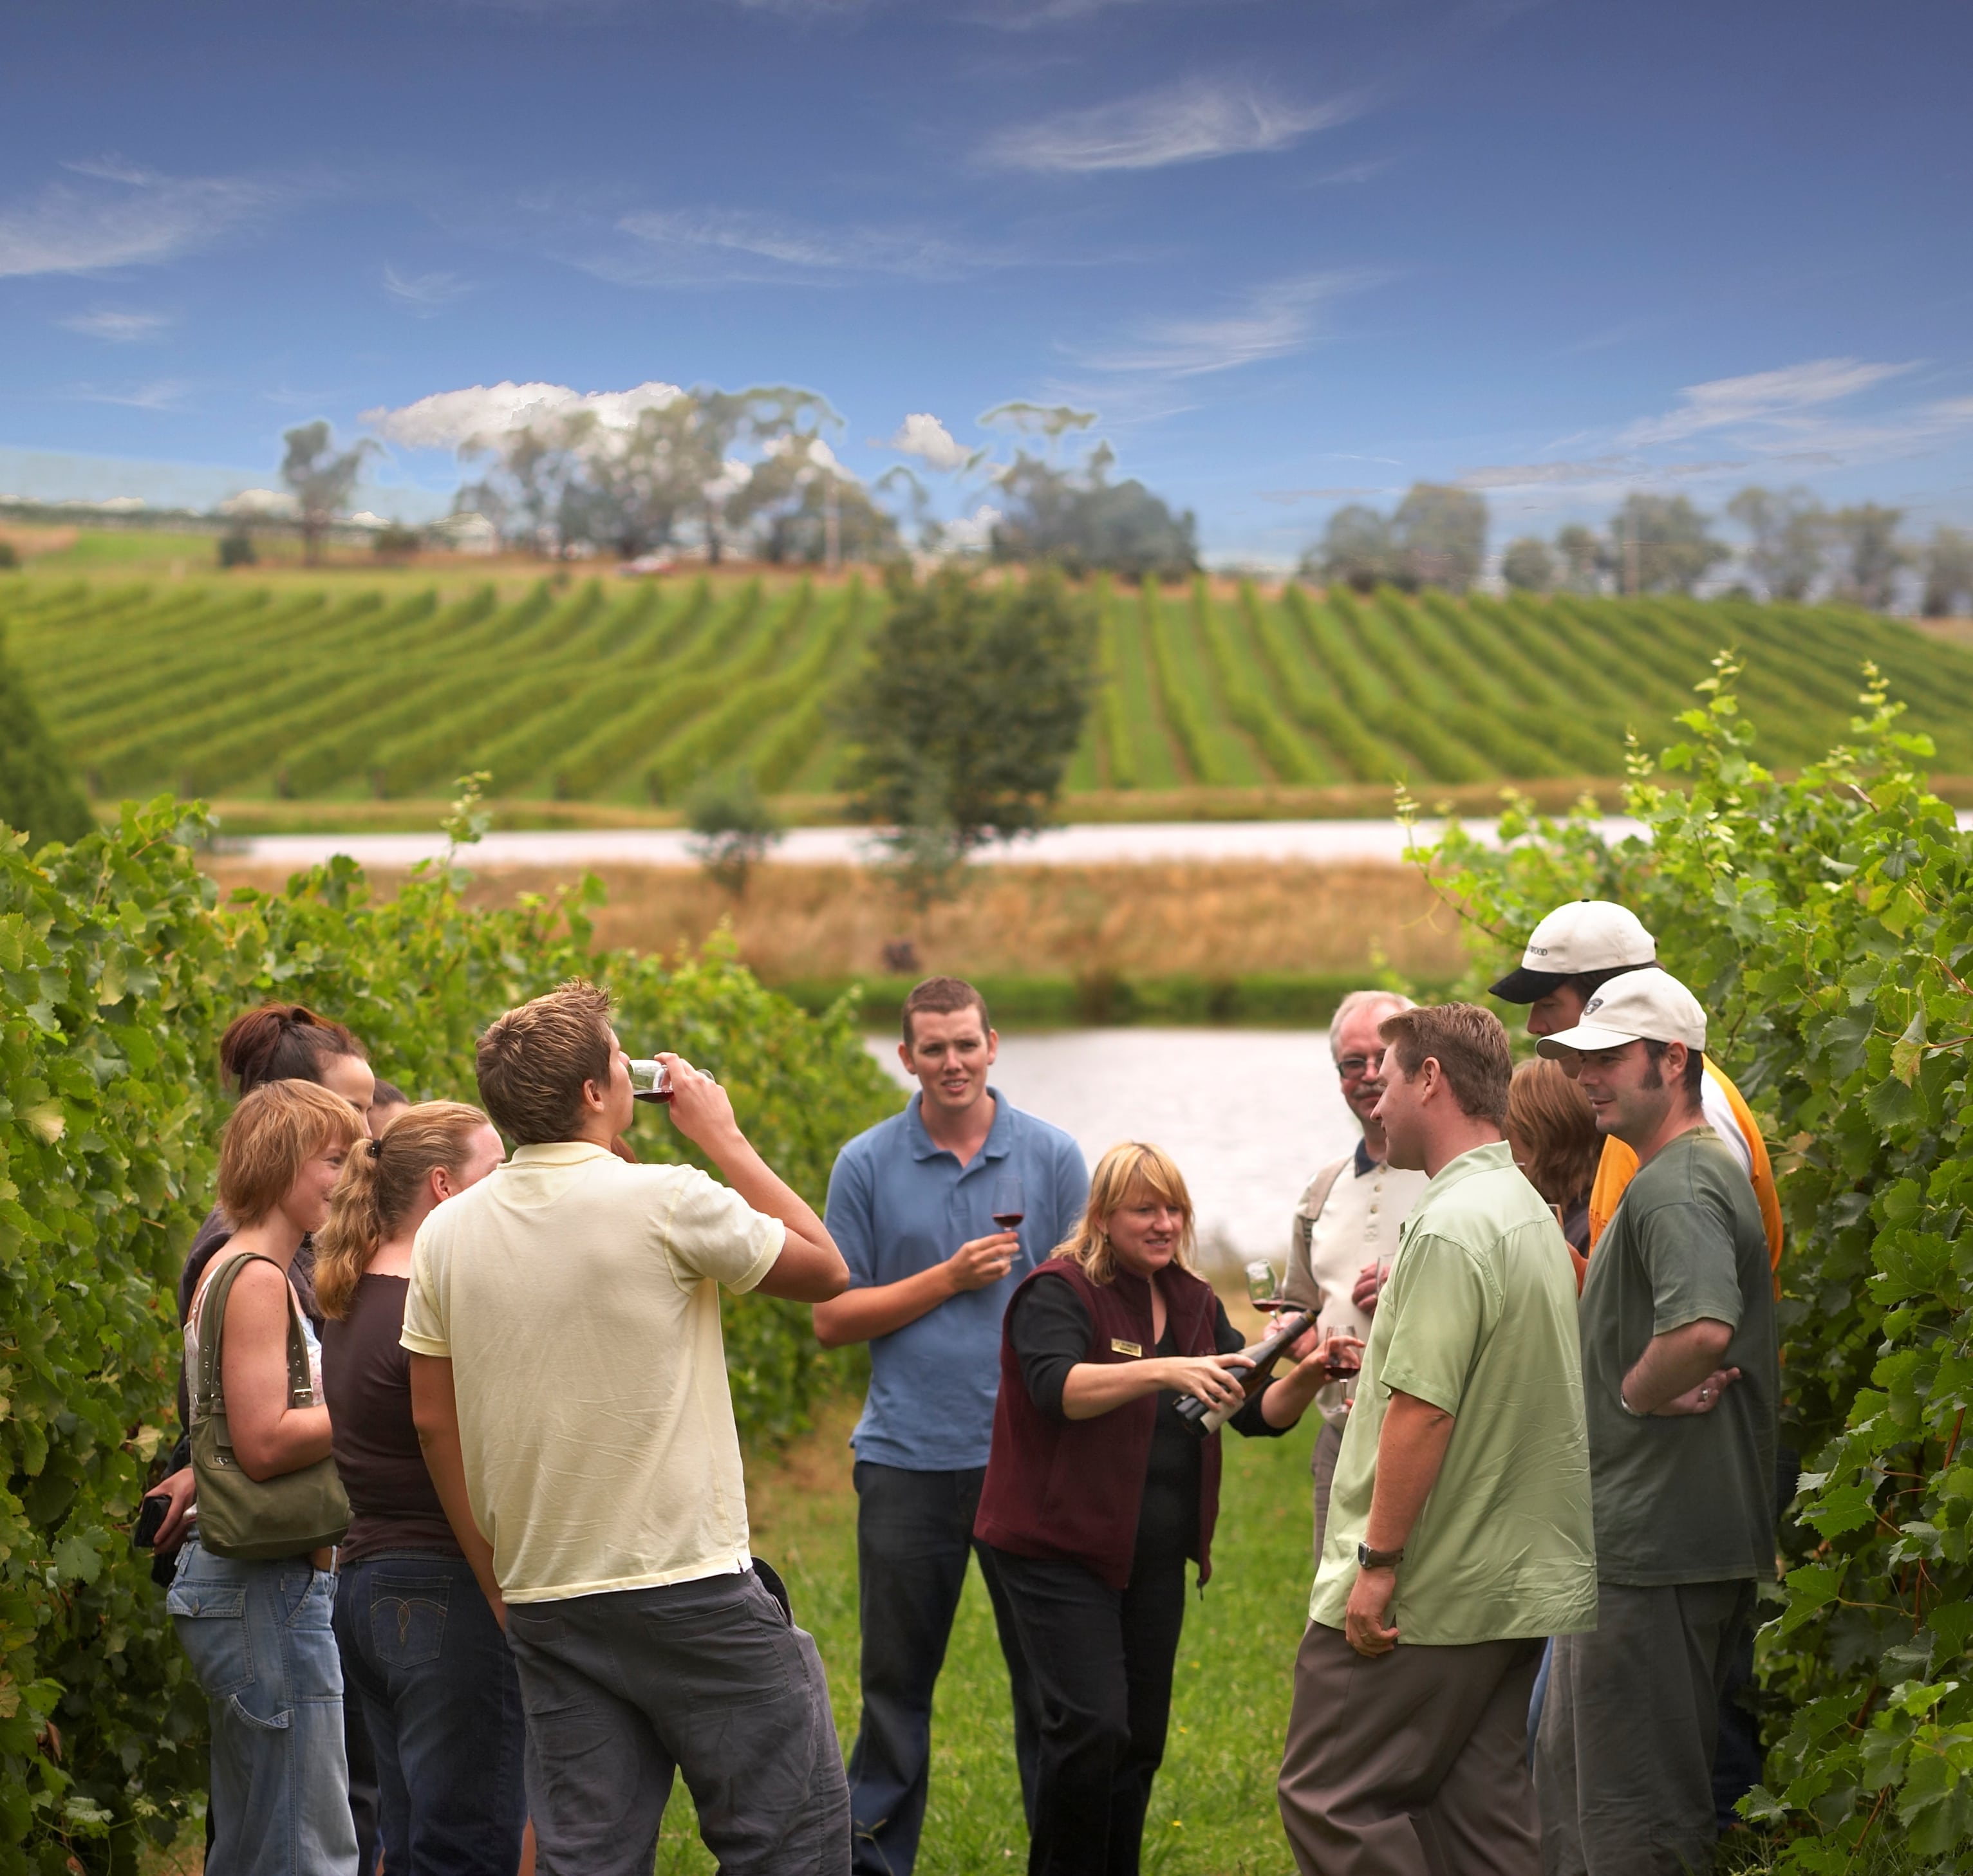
(1585, 935)
(1651, 1006)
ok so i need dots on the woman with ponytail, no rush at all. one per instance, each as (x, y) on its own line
(421, 1648)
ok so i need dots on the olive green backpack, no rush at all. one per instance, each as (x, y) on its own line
(247, 1517)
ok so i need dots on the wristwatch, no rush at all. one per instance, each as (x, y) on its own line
(1368, 1559)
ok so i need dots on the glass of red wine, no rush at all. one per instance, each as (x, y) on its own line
(650, 1080)
(1009, 1208)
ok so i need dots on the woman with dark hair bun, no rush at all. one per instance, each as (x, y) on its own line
(288, 1042)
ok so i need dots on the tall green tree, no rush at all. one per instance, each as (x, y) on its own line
(321, 478)
(1869, 553)
(1788, 539)
(1662, 543)
(1080, 521)
(1528, 565)
(968, 708)
(1355, 549)
(37, 790)
(1948, 572)
(1440, 533)
(1586, 557)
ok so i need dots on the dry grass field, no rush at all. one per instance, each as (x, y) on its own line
(1221, 918)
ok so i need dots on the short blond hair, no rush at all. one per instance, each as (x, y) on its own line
(1121, 1175)
(268, 1138)
(533, 1061)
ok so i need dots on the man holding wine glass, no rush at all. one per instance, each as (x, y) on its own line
(940, 1212)
(1460, 1533)
(1346, 1224)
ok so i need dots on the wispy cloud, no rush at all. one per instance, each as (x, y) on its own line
(1187, 122)
(717, 245)
(115, 216)
(164, 394)
(1760, 397)
(1269, 322)
(448, 419)
(423, 294)
(1605, 472)
(120, 328)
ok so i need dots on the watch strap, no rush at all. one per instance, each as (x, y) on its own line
(1368, 1559)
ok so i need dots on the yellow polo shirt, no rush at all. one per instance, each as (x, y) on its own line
(577, 1297)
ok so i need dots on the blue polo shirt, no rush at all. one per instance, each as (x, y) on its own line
(899, 1205)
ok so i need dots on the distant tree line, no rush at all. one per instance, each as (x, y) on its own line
(1795, 547)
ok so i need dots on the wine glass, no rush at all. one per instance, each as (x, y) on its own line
(1263, 1289)
(1009, 1206)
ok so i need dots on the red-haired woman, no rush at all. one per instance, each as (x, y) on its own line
(258, 1627)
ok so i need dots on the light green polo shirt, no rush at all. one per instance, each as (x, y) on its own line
(1478, 1318)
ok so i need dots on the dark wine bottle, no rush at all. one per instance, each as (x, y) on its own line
(1289, 1326)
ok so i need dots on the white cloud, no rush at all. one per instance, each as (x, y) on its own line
(922, 435)
(120, 328)
(423, 294)
(1272, 321)
(251, 504)
(1760, 397)
(702, 246)
(120, 217)
(1182, 123)
(971, 534)
(1605, 473)
(448, 419)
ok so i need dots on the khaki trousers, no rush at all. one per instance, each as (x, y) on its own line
(1411, 1763)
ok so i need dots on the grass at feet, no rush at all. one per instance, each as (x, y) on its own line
(1212, 1810)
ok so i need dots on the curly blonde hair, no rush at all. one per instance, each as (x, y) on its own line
(1122, 1175)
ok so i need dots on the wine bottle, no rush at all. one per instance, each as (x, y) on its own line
(1290, 1325)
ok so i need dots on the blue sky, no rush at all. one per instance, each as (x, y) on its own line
(1295, 254)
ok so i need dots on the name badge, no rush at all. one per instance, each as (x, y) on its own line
(1125, 1347)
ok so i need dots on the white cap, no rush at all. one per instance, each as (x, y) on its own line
(1585, 935)
(1649, 1005)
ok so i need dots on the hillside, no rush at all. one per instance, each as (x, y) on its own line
(590, 691)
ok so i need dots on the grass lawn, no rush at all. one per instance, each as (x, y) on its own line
(1212, 1810)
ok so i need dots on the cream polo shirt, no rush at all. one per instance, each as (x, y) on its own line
(1359, 1221)
(577, 1297)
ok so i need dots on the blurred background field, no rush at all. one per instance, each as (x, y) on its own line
(331, 693)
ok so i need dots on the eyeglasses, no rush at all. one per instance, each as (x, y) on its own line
(1354, 1067)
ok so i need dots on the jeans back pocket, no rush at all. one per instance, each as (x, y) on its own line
(407, 1620)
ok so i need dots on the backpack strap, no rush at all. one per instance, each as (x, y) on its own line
(212, 1329)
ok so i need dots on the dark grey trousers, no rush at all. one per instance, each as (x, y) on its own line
(707, 1679)
(1624, 1757)
(1322, 1465)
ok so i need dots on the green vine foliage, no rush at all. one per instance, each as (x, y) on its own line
(1827, 923)
(118, 973)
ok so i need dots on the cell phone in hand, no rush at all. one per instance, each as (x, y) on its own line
(151, 1516)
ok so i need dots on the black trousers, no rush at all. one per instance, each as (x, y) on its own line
(914, 1535)
(1101, 1660)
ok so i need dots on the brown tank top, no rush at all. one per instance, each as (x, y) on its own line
(366, 1375)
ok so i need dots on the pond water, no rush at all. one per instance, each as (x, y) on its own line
(1248, 1114)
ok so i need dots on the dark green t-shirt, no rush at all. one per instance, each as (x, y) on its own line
(1689, 1498)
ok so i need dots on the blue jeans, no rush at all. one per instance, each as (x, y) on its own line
(261, 1643)
(421, 1650)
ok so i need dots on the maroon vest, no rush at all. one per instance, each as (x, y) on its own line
(1072, 1489)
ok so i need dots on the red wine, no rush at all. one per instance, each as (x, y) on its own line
(1006, 1220)
(654, 1094)
(1203, 1420)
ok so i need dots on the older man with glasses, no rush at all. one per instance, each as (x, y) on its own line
(1344, 1231)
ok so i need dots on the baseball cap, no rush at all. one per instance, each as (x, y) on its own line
(1585, 935)
(1653, 1005)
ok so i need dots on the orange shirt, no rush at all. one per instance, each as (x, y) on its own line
(1619, 1164)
